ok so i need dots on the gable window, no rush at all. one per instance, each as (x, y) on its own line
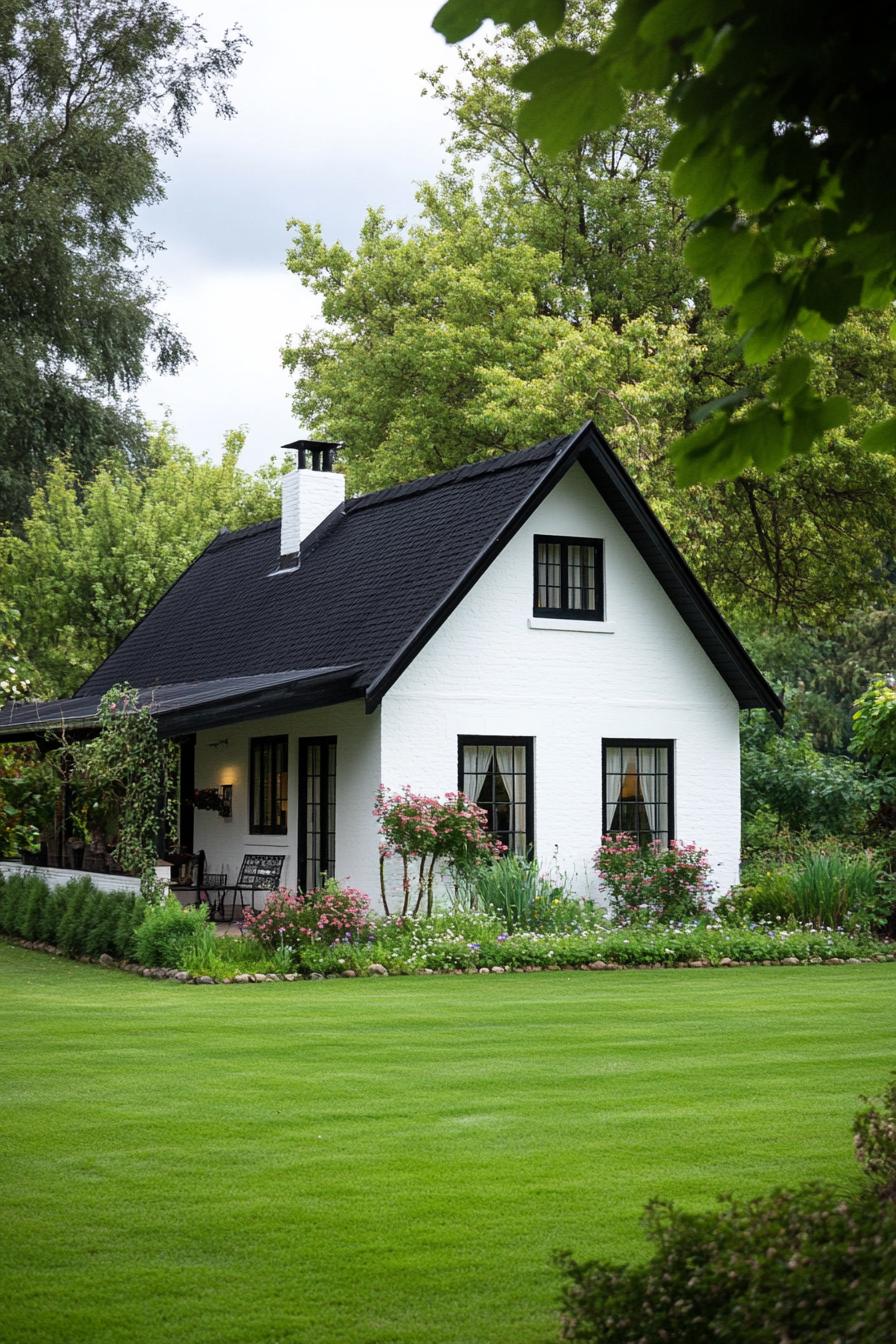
(638, 790)
(496, 773)
(268, 788)
(569, 578)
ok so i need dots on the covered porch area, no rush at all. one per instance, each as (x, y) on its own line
(272, 773)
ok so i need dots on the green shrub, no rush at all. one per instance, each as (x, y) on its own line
(828, 887)
(16, 897)
(811, 1265)
(100, 924)
(51, 912)
(132, 910)
(171, 934)
(516, 892)
(838, 888)
(79, 897)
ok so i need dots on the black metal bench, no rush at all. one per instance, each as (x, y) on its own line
(258, 873)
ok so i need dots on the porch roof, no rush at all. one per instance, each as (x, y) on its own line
(185, 706)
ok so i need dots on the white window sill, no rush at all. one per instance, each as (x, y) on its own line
(583, 627)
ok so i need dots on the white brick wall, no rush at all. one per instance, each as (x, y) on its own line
(488, 671)
(225, 841)
(306, 499)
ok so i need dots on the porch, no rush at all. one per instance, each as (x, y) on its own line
(282, 767)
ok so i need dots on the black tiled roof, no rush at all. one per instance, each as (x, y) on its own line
(381, 573)
(369, 576)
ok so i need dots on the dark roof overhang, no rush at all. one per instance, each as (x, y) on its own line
(186, 707)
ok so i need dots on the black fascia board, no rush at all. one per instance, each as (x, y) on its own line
(681, 585)
(652, 541)
(286, 698)
(474, 571)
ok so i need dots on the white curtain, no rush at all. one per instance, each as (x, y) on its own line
(647, 785)
(476, 766)
(511, 762)
(613, 785)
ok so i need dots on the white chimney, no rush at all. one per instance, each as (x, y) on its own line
(308, 495)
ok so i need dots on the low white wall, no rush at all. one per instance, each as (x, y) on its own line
(57, 877)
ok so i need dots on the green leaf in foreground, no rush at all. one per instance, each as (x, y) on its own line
(460, 18)
(880, 438)
(571, 93)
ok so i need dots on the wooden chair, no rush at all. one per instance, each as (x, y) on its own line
(258, 873)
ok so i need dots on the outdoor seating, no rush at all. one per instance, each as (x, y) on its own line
(258, 873)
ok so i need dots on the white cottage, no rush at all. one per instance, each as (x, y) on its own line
(522, 629)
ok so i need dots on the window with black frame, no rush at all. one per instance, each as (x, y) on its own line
(268, 785)
(569, 578)
(317, 810)
(638, 790)
(496, 773)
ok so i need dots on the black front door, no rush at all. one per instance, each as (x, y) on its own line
(317, 810)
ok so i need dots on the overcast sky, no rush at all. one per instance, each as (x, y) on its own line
(329, 120)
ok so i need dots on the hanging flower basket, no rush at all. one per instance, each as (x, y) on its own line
(213, 800)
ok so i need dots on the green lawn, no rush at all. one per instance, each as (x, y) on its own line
(394, 1160)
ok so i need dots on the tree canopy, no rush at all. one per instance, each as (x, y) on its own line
(91, 560)
(474, 331)
(92, 93)
(783, 150)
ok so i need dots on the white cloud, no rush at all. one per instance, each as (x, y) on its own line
(330, 120)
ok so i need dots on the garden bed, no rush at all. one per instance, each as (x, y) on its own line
(372, 968)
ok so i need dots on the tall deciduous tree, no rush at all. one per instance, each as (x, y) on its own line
(784, 149)
(458, 338)
(90, 562)
(92, 93)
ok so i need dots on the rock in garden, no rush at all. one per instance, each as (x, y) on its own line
(483, 970)
(497, 970)
(790, 961)
(726, 961)
(835, 961)
(106, 960)
(349, 975)
(291, 976)
(242, 979)
(316, 975)
(376, 969)
(181, 975)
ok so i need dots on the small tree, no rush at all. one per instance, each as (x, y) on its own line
(418, 828)
(130, 773)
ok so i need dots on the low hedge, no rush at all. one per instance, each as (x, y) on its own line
(810, 1265)
(77, 917)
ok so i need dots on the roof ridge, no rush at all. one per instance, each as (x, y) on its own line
(484, 467)
(225, 536)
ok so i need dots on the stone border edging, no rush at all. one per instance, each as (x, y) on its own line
(376, 970)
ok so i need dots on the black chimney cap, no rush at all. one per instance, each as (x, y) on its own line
(323, 452)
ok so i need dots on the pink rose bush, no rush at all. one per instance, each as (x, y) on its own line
(328, 914)
(423, 830)
(653, 882)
